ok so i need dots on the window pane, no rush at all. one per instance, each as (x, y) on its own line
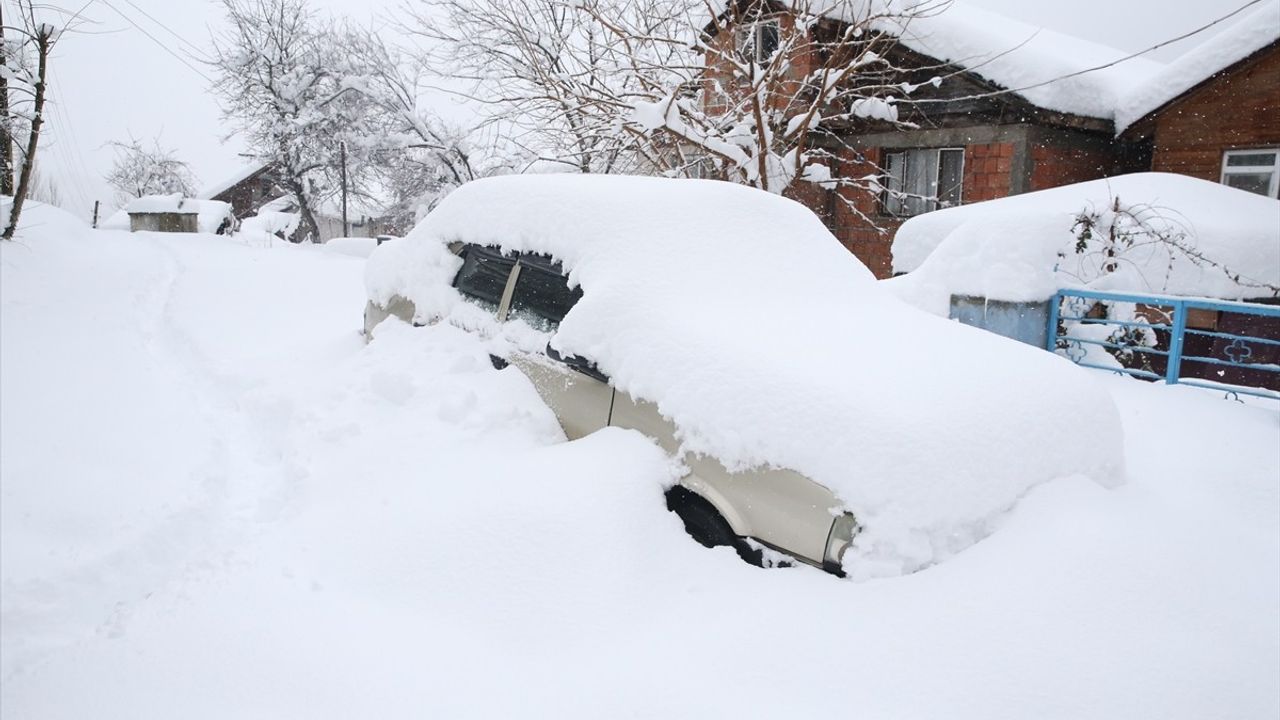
(767, 41)
(542, 296)
(1252, 182)
(922, 179)
(747, 44)
(1252, 159)
(950, 177)
(483, 275)
(894, 167)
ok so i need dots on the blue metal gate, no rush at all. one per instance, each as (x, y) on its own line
(1230, 346)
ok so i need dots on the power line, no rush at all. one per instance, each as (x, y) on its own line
(193, 49)
(155, 40)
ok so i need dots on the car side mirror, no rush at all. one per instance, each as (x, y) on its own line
(577, 364)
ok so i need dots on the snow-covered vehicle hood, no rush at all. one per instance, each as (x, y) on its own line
(768, 344)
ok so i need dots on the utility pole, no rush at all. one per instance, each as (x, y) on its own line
(342, 150)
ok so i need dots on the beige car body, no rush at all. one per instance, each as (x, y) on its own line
(778, 508)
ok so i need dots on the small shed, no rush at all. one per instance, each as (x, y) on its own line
(174, 213)
(163, 213)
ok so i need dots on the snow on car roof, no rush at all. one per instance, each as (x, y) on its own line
(1250, 33)
(768, 344)
(1022, 247)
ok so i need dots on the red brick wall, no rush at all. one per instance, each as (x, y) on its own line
(854, 216)
(1240, 109)
(1058, 164)
(987, 171)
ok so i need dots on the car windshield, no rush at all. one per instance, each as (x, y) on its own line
(542, 294)
(483, 275)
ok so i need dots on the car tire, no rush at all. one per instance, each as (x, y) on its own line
(706, 525)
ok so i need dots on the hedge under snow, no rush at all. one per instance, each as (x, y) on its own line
(768, 344)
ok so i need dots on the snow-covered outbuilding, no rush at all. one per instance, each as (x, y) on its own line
(174, 213)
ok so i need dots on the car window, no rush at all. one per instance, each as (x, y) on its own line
(542, 295)
(483, 275)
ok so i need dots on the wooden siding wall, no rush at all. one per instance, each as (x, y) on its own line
(1235, 110)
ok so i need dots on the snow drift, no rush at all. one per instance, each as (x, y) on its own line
(768, 344)
(1023, 248)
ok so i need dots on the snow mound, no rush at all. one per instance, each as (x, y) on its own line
(42, 220)
(355, 246)
(1023, 248)
(768, 344)
(1251, 33)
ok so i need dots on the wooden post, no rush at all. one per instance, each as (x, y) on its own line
(95, 214)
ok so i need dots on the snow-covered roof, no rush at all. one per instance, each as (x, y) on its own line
(1023, 247)
(1249, 34)
(162, 204)
(1033, 61)
(769, 344)
(240, 176)
(1040, 65)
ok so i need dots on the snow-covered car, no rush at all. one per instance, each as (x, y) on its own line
(816, 414)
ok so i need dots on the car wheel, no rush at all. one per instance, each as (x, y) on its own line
(706, 525)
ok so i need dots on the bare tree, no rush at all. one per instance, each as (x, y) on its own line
(752, 91)
(280, 77)
(34, 43)
(416, 157)
(546, 71)
(151, 169)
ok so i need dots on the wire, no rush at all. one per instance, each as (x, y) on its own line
(198, 52)
(155, 40)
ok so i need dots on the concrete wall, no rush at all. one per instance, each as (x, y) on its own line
(164, 222)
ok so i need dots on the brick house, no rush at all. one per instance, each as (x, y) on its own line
(1214, 113)
(248, 190)
(1020, 109)
(256, 187)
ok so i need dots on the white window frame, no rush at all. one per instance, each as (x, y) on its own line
(1273, 188)
(897, 201)
(748, 37)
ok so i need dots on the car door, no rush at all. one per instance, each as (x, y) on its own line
(578, 393)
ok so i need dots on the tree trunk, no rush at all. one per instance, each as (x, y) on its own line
(308, 228)
(44, 40)
(6, 137)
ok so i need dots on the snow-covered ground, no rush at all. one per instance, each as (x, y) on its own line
(216, 501)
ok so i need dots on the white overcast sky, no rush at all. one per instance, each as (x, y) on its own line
(116, 82)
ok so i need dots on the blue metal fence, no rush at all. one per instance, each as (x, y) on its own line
(1231, 346)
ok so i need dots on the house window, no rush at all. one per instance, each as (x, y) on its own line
(922, 179)
(758, 41)
(1256, 171)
